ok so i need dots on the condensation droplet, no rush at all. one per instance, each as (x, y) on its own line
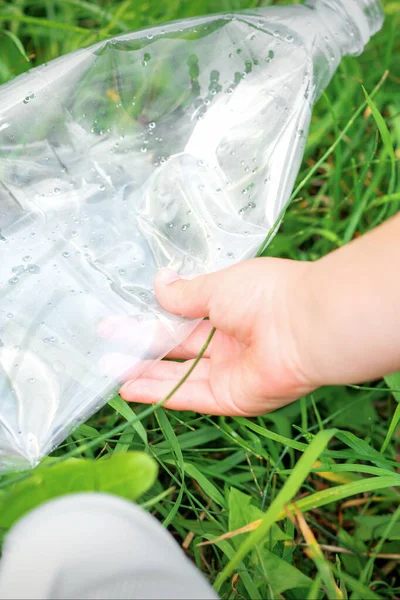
(34, 269)
(18, 269)
(27, 99)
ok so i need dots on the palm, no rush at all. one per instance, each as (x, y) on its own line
(251, 366)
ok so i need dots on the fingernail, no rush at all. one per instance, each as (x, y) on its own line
(130, 389)
(167, 276)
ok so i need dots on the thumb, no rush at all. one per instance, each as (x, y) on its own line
(187, 297)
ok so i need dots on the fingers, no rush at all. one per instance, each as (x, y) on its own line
(174, 371)
(122, 367)
(188, 297)
(196, 396)
(191, 347)
(231, 298)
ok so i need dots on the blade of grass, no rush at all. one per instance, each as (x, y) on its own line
(392, 428)
(290, 488)
(340, 492)
(317, 556)
(393, 382)
(270, 434)
(39, 22)
(386, 138)
(368, 569)
(315, 588)
(127, 413)
(17, 42)
(207, 486)
(356, 585)
(337, 141)
(170, 436)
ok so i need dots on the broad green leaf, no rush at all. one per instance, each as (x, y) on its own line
(367, 573)
(371, 527)
(351, 412)
(127, 475)
(242, 512)
(282, 576)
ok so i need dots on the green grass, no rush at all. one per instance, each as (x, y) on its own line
(220, 474)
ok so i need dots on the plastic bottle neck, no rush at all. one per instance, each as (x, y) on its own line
(351, 23)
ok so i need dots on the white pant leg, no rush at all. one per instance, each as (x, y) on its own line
(95, 546)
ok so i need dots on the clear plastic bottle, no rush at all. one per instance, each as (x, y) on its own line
(176, 146)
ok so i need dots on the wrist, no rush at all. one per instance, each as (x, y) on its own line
(307, 324)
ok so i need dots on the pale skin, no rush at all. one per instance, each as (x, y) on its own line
(284, 328)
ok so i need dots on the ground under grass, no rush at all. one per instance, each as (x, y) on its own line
(334, 451)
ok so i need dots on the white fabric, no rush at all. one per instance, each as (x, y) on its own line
(95, 546)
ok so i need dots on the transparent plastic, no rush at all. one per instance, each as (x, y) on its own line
(176, 146)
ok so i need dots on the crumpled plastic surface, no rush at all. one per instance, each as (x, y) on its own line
(173, 147)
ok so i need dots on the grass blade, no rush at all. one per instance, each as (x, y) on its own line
(367, 572)
(386, 137)
(340, 492)
(315, 553)
(392, 428)
(17, 42)
(290, 488)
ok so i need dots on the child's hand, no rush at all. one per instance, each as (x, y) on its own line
(283, 328)
(253, 364)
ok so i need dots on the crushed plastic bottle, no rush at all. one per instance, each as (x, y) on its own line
(176, 146)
